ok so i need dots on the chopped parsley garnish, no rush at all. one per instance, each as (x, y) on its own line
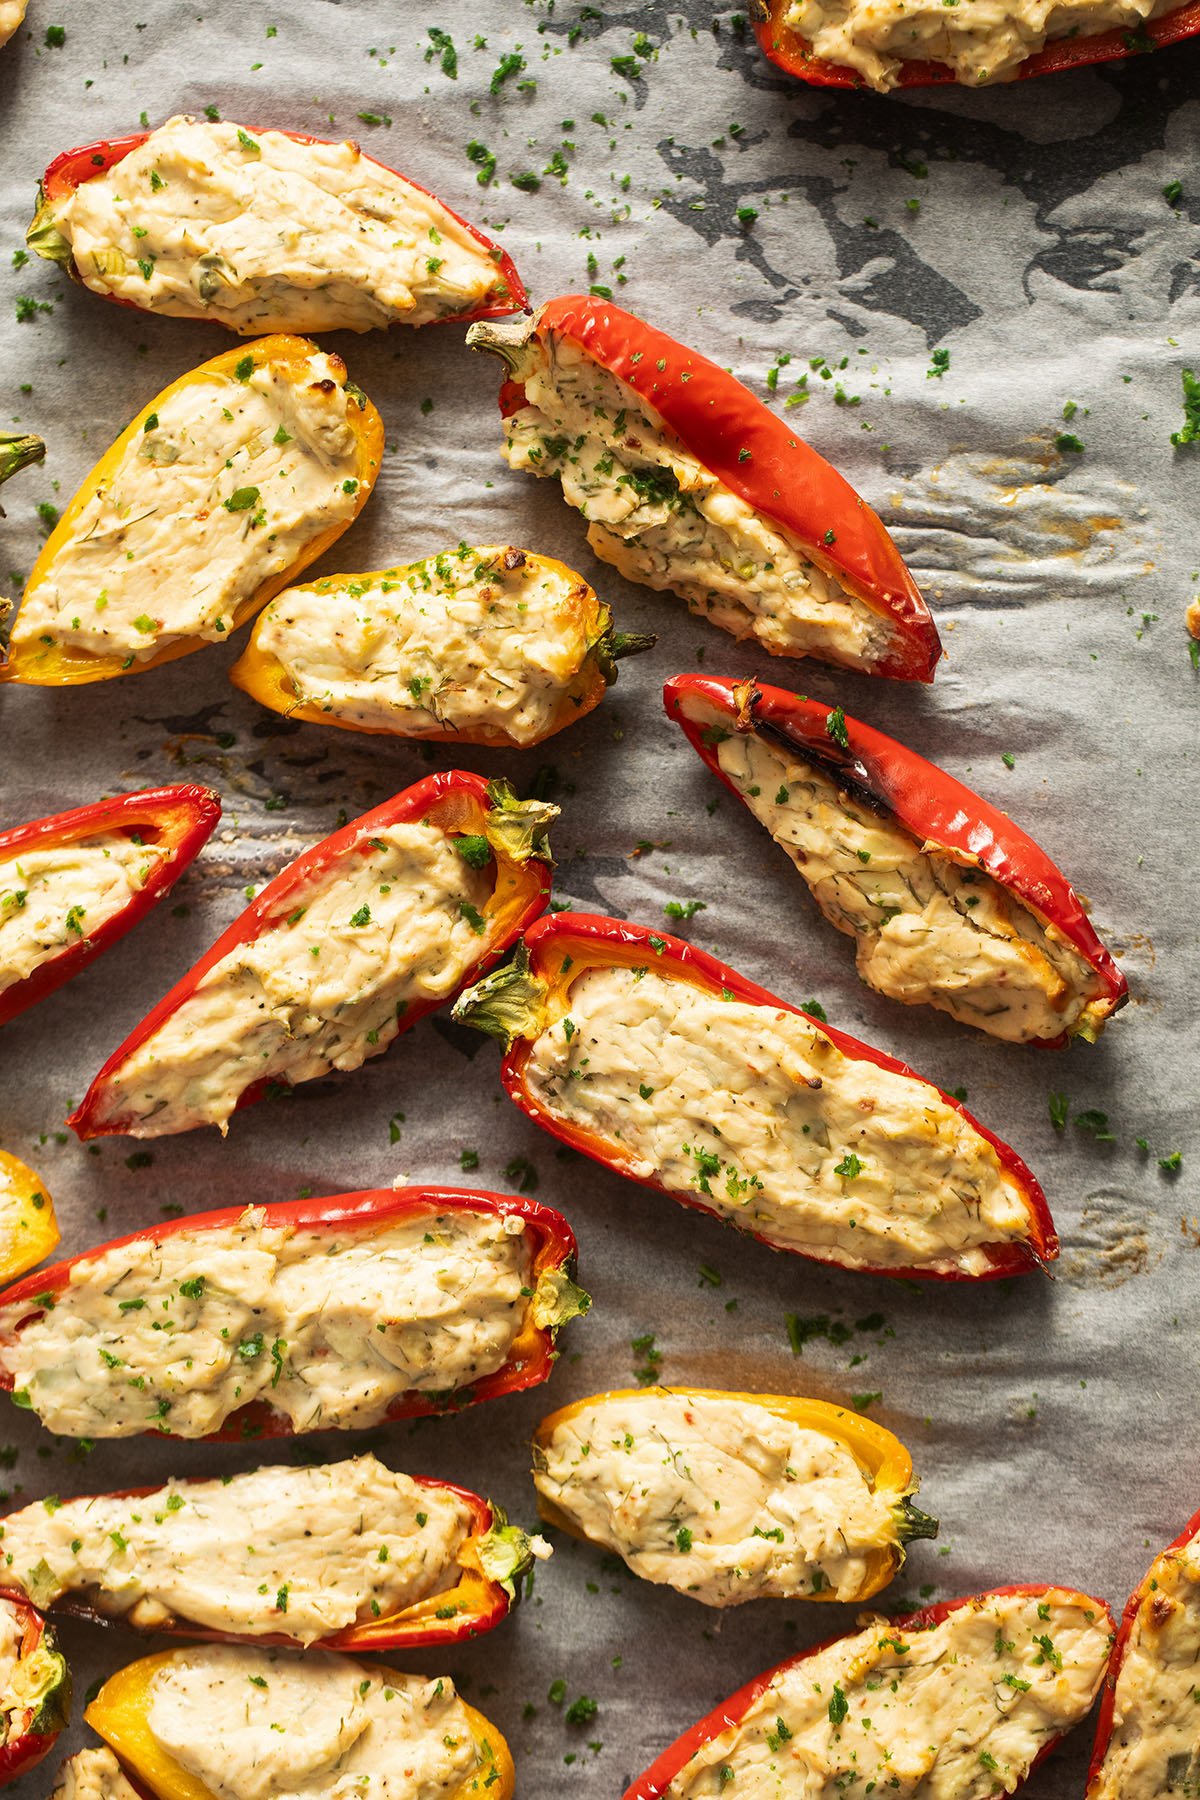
(1189, 432)
(835, 727)
(839, 1706)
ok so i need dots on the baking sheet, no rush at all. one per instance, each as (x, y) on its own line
(1025, 232)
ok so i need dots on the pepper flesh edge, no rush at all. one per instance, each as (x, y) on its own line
(186, 816)
(71, 168)
(461, 803)
(71, 668)
(120, 1714)
(530, 1357)
(790, 52)
(938, 810)
(655, 1780)
(590, 940)
(879, 1455)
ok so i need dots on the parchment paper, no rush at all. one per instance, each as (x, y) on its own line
(1024, 231)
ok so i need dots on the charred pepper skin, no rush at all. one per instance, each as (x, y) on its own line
(184, 818)
(791, 53)
(939, 811)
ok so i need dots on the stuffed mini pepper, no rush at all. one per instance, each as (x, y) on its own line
(690, 484)
(886, 44)
(348, 1555)
(355, 941)
(962, 1700)
(731, 1497)
(234, 1723)
(307, 1315)
(74, 883)
(35, 1688)
(949, 903)
(220, 492)
(264, 231)
(670, 1068)
(1148, 1738)
(491, 645)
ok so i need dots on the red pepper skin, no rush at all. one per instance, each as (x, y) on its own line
(383, 1634)
(71, 168)
(184, 818)
(1120, 1649)
(368, 1210)
(659, 1776)
(935, 807)
(760, 458)
(27, 1748)
(790, 52)
(449, 792)
(590, 939)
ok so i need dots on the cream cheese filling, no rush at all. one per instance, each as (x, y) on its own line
(304, 1551)
(262, 1725)
(927, 929)
(1155, 1745)
(958, 1712)
(12, 14)
(329, 1328)
(716, 1497)
(56, 896)
(226, 487)
(395, 923)
(473, 640)
(664, 520)
(262, 233)
(754, 1113)
(93, 1775)
(981, 40)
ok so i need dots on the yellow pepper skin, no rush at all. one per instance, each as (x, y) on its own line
(54, 665)
(260, 673)
(881, 1456)
(28, 1227)
(120, 1714)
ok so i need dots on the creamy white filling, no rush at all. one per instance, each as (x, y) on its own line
(754, 1113)
(716, 1497)
(396, 923)
(261, 233)
(55, 897)
(12, 13)
(981, 40)
(927, 929)
(263, 1725)
(228, 486)
(302, 1551)
(478, 641)
(1154, 1750)
(662, 519)
(329, 1328)
(958, 1712)
(93, 1775)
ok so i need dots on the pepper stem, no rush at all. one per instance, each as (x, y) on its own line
(506, 1553)
(557, 1299)
(912, 1523)
(44, 238)
(611, 645)
(505, 338)
(517, 829)
(17, 451)
(507, 1004)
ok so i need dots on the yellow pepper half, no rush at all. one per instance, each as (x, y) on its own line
(51, 664)
(120, 1713)
(28, 1227)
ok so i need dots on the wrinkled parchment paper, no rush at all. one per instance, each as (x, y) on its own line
(1025, 232)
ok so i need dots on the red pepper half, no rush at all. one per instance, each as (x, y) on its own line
(71, 168)
(178, 820)
(462, 805)
(561, 948)
(554, 1300)
(754, 453)
(36, 1704)
(791, 52)
(938, 810)
(657, 1779)
(491, 1561)
(1139, 1608)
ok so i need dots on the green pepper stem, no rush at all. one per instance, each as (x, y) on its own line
(505, 338)
(507, 1004)
(912, 1523)
(17, 451)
